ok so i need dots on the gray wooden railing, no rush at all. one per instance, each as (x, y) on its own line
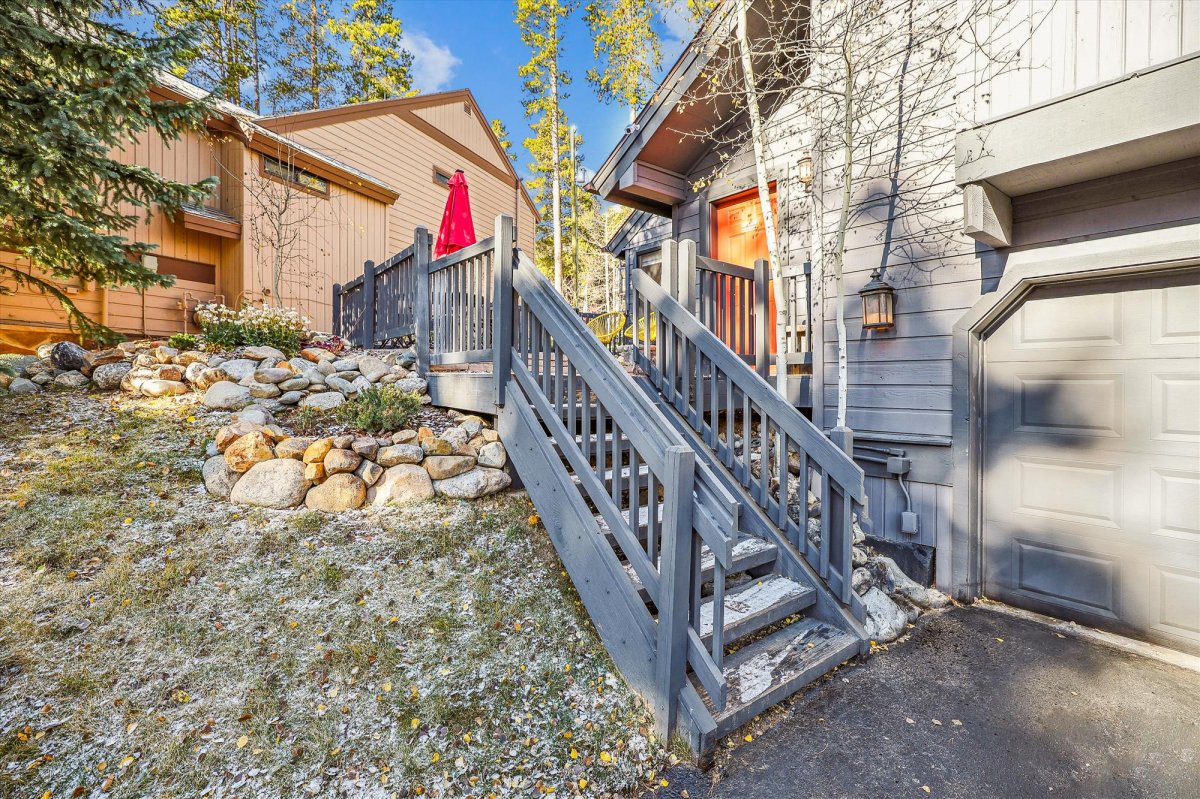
(731, 406)
(380, 305)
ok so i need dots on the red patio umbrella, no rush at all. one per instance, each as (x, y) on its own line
(457, 230)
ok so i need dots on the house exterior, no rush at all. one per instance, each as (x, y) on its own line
(290, 217)
(1036, 212)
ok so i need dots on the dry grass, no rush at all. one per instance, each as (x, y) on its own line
(157, 643)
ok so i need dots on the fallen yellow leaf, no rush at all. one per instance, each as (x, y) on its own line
(242, 741)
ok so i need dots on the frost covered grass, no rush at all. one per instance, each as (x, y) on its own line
(157, 643)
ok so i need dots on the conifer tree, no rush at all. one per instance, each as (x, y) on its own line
(73, 89)
(379, 67)
(540, 22)
(232, 38)
(309, 66)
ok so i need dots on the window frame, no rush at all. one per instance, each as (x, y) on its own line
(294, 170)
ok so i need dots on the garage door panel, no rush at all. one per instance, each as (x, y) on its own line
(1175, 602)
(1175, 504)
(1174, 319)
(1051, 321)
(1078, 492)
(1175, 406)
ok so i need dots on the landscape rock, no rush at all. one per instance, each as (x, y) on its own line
(886, 621)
(276, 483)
(341, 386)
(367, 447)
(163, 388)
(192, 371)
(255, 414)
(401, 484)
(341, 460)
(169, 371)
(263, 390)
(272, 375)
(262, 353)
(326, 368)
(247, 451)
(443, 467)
(42, 378)
(102, 358)
(317, 450)
(360, 384)
(413, 384)
(206, 378)
(293, 447)
(325, 401)
(71, 380)
(68, 356)
(314, 472)
(372, 368)
(23, 386)
(339, 492)
(297, 383)
(218, 477)
(473, 484)
(240, 369)
(493, 455)
(369, 472)
(290, 397)
(404, 437)
(226, 396)
(163, 353)
(189, 357)
(316, 354)
(345, 365)
(471, 425)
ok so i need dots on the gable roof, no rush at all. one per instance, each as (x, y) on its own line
(405, 109)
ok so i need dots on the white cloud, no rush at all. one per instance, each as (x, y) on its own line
(433, 63)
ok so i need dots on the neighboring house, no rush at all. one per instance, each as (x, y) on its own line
(1040, 227)
(417, 143)
(294, 213)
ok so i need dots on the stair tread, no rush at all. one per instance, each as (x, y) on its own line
(757, 604)
(748, 552)
(626, 472)
(768, 670)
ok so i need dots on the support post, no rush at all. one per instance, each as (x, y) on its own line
(675, 572)
(762, 309)
(502, 305)
(368, 322)
(337, 310)
(421, 258)
(670, 267)
(687, 274)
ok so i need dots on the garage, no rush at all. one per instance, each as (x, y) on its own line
(1090, 484)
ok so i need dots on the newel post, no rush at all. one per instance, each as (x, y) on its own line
(670, 267)
(502, 304)
(368, 323)
(687, 274)
(674, 574)
(762, 309)
(337, 309)
(421, 258)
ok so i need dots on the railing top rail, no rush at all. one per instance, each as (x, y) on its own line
(724, 268)
(350, 285)
(398, 258)
(478, 248)
(823, 452)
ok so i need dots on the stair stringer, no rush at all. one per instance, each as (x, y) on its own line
(617, 611)
(754, 520)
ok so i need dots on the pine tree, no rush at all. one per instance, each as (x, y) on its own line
(307, 72)
(502, 136)
(380, 68)
(626, 47)
(540, 22)
(72, 90)
(231, 39)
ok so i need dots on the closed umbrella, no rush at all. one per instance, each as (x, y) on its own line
(457, 230)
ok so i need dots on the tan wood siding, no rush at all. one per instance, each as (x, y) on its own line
(453, 120)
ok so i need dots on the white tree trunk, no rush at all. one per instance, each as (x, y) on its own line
(555, 176)
(758, 138)
(839, 253)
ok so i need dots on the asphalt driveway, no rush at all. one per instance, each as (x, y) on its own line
(976, 704)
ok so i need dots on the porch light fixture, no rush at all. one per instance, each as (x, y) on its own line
(805, 170)
(878, 301)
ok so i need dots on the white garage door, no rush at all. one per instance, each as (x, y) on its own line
(1091, 488)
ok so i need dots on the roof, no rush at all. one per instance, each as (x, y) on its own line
(403, 107)
(633, 224)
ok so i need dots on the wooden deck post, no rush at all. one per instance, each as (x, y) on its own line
(762, 309)
(337, 309)
(502, 305)
(675, 572)
(687, 274)
(670, 267)
(368, 319)
(421, 258)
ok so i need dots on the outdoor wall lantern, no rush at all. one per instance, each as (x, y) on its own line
(878, 300)
(805, 170)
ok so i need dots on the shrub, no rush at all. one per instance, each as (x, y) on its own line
(182, 341)
(224, 328)
(379, 408)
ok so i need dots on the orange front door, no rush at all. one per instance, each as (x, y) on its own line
(740, 237)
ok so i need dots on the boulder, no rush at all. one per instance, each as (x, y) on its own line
(343, 441)
(340, 492)
(101, 358)
(232, 432)
(263, 390)
(226, 396)
(341, 386)
(271, 484)
(272, 375)
(315, 354)
(369, 472)
(338, 461)
(471, 425)
(317, 450)
(163, 353)
(404, 437)
(71, 380)
(294, 384)
(255, 414)
(345, 365)
(493, 455)
(398, 454)
(291, 397)
(293, 447)
(169, 371)
(326, 368)
(144, 360)
(262, 353)
(248, 450)
(218, 477)
(22, 386)
(207, 377)
(886, 621)
(68, 356)
(456, 437)
(192, 371)
(189, 357)
(163, 388)
(367, 447)
(239, 369)
(372, 368)
(473, 484)
(443, 467)
(361, 384)
(35, 368)
(401, 484)
(413, 384)
(314, 472)
(436, 446)
(43, 378)
(325, 401)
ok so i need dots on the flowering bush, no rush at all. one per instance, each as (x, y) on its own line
(226, 328)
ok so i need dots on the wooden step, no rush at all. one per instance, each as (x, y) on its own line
(773, 668)
(643, 473)
(748, 553)
(755, 605)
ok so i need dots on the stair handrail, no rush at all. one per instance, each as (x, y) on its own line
(550, 347)
(673, 370)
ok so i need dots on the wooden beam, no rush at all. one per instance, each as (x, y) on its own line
(987, 214)
(653, 183)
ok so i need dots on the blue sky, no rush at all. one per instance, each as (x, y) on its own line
(474, 44)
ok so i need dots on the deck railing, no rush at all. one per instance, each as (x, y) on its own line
(379, 306)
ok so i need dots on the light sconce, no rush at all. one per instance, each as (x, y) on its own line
(805, 170)
(878, 303)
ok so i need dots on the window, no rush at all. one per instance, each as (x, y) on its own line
(290, 173)
(442, 177)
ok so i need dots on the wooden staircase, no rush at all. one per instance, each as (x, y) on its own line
(693, 555)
